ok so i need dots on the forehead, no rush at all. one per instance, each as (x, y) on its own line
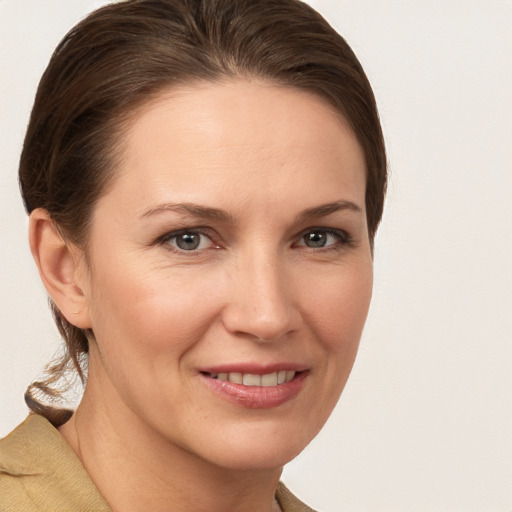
(249, 136)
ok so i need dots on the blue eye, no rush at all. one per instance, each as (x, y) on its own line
(188, 240)
(321, 238)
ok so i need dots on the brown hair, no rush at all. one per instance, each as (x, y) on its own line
(124, 54)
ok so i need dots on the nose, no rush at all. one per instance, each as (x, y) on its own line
(261, 304)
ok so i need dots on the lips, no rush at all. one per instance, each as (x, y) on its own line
(252, 379)
(256, 387)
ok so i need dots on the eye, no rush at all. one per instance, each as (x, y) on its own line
(319, 238)
(188, 240)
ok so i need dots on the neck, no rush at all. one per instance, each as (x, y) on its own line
(135, 468)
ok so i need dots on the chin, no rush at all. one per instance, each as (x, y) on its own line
(256, 459)
(260, 449)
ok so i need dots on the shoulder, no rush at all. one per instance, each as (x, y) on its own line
(289, 502)
(39, 471)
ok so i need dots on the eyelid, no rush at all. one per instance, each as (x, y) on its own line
(203, 231)
(344, 238)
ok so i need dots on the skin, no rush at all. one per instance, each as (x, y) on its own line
(149, 430)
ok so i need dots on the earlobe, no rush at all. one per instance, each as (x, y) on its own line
(59, 265)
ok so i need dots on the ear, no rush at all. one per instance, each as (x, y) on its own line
(61, 267)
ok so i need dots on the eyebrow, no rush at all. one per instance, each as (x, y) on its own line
(196, 210)
(327, 209)
(209, 213)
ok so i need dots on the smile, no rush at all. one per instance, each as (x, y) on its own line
(252, 390)
(251, 379)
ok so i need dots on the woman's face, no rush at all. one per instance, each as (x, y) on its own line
(229, 271)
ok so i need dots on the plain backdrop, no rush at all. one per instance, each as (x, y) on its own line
(425, 423)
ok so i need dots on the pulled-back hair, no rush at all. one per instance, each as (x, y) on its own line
(125, 54)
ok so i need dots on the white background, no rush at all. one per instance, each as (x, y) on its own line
(425, 423)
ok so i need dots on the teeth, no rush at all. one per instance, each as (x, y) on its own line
(236, 378)
(250, 379)
(270, 379)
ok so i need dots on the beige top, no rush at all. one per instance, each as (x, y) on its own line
(40, 472)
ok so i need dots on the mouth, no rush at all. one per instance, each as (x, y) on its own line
(263, 390)
(253, 379)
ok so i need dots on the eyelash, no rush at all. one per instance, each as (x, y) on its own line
(344, 240)
(167, 238)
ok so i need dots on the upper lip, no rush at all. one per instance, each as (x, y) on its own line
(253, 368)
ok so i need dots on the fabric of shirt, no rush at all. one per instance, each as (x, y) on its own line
(40, 472)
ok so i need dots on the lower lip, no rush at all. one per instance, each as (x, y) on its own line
(257, 397)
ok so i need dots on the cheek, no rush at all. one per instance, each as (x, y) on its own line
(339, 306)
(150, 310)
(335, 310)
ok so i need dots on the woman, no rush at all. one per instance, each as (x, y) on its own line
(204, 181)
